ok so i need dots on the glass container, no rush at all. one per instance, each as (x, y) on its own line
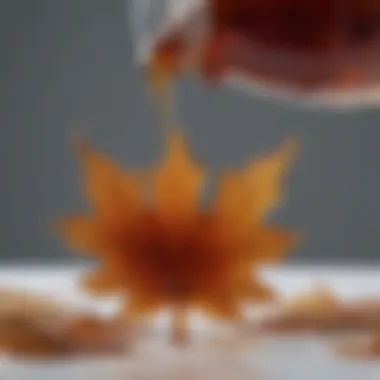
(318, 51)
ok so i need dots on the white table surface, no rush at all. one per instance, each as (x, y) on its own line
(349, 282)
(293, 359)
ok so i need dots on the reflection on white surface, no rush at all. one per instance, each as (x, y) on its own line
(295, 359)
(238, 358)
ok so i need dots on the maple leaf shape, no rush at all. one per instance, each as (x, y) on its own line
(158, 248)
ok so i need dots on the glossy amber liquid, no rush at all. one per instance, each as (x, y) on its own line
(304, 44)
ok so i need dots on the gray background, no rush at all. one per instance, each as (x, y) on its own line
(68, 62)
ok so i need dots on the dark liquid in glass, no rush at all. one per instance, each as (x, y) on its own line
(304, 44)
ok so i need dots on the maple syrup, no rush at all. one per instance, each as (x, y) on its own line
(304, 45)
(168, 254)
